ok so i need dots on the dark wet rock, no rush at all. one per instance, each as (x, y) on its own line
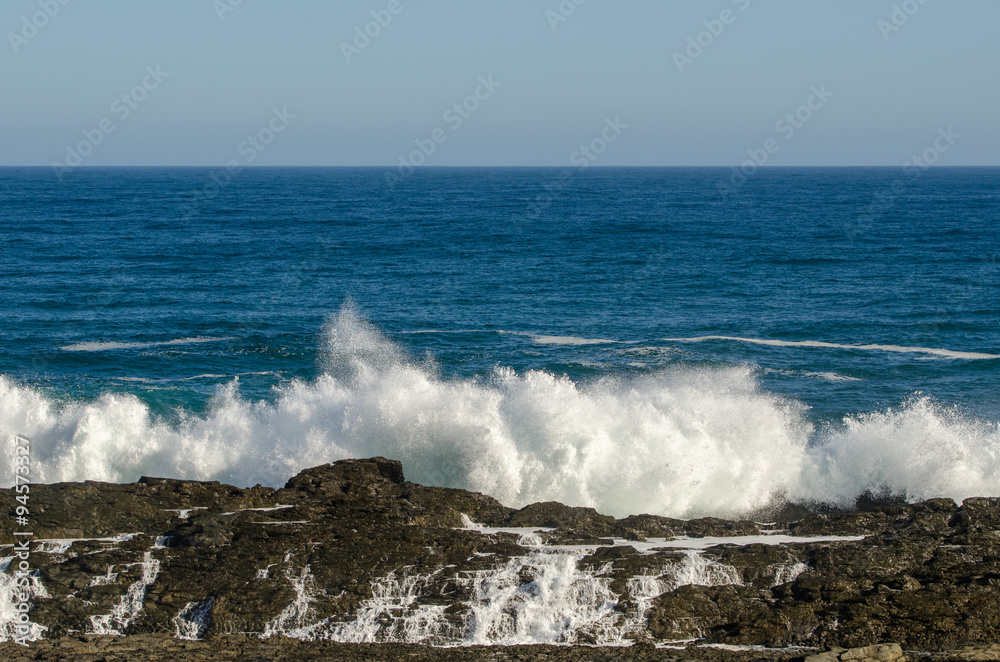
(346, 479)
(146, 647)
(689, 611)
(648, 526)
(978, 520)
(760, 565)
(572, 537)
(989, 653)
(585, 521)
(714, 527)
(782, 513)
(140, 559)
(605, 554)
(632, 534)
(143, 648)
(932, 517)
(873, 653)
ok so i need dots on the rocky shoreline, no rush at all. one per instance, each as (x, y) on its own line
(351, 561)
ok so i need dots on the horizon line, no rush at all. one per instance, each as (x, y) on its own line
(458, 167)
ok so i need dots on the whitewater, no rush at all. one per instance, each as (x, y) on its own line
(681, 441)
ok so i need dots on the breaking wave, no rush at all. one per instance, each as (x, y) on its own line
(683, 442)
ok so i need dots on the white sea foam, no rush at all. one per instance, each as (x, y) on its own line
(62, 545)
(294, 619)
(706, 542)
(832, 377)
(192, 621)
(825, 376)
(103, 580)
(560, 602)
(530, 537)
(543, 597)
(694, 569)
(12, 591)
(944, 353)
(104, 346)
(391, 615)
(785, 573)
(569, 340)
(129, 605)
(423, 331)
(271, 509)
(147, 380)
(184, 513)
(683, 442)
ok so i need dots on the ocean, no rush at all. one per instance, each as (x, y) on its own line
(675, 341)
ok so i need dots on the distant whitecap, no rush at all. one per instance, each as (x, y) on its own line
(945, 353)
(105, 346)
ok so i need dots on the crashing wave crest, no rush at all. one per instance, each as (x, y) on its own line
(683, 442)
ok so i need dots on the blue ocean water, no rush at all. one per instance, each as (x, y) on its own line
(632, 339)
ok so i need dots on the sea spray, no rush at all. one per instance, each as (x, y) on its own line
(683, 442)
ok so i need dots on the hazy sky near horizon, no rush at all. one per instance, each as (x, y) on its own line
(892, 77)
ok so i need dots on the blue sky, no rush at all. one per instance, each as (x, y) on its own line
(226, 65)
